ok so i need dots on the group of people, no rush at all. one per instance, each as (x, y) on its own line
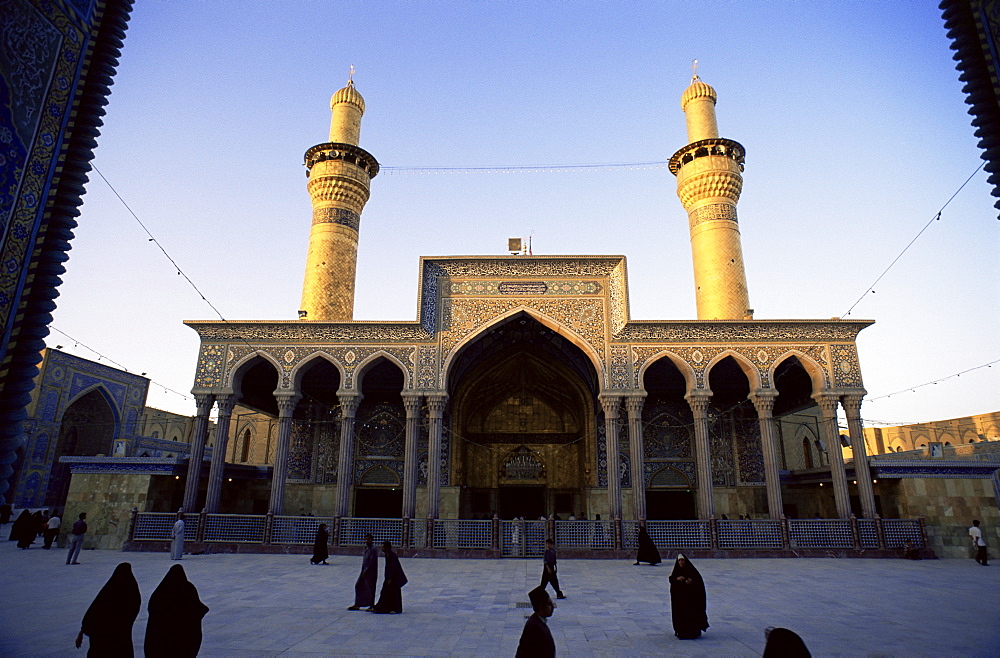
(173, 627)
(27, 527)
(390, 599)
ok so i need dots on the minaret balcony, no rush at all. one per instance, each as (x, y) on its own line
(344, 152)
(708, 147)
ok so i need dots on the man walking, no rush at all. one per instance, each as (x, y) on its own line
(364, 588)
(536, 638)
(52, 529)
(549, 568)
(76, 539)
(976, 535)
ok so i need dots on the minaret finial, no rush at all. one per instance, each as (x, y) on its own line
(694, 71)
(350, 76)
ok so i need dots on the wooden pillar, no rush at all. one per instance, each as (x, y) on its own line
(610, 404)
(633, 405)
(763, 400)
(831, 437)
(698, 401)
(862, 471)
(203, 404)
(286, 411)
(215, 472)
(349, 402)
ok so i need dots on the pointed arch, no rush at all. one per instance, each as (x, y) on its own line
(365, 364)
(687, 372)
(295, 376)
(231, 381)
(105, 393)
(748, 368)
(550, 323)
(817, 374)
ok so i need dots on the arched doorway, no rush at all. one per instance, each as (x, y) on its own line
(523, 415)
(669, 495)
(380, 437)
(88, 427)
(668, 443)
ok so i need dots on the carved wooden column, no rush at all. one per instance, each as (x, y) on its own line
(699, 400)
(831, 437)
(411, 402)
(345, 462)
(633, 405)
(286, 412)
(203, 404)
(226, 404)
(852, 409)
(610, 404)
(763, 400)
(435, 412)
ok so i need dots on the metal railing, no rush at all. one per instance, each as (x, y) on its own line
(527, 538)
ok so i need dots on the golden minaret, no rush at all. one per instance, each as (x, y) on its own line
(340, 176)
(709, 185)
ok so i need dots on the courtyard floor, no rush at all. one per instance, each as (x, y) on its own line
(268, 605)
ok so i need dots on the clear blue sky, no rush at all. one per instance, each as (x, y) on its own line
(851, 113)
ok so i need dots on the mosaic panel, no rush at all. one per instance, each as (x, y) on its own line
(665, 437)
(300, 451)
(363, 466)
(341, 216)
(380, 430)
(846, 369)
(481, 287)
(41, 52)
(210, 365)
(749, 453)
(427, 368)
(650, 468)
(310, 332)
(720, 447)
(750, 331)
(712, 212)
(463, 317)
(621, 365)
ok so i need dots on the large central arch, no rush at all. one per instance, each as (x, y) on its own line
(524, 404)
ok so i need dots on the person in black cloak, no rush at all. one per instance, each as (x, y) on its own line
(175, 613)
(5, 511)
(390, 599)
(647, 549)
(687, 600)
(536, 638)
(320, 549)
(364, 587)
(783, 643)
(108, 621)
(20, 531)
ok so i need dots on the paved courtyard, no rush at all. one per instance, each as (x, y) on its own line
(268, 605)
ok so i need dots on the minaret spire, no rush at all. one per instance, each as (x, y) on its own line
(340, 176)
(709, 183)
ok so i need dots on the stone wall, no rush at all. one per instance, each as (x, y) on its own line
(107, 498)
(949, 506)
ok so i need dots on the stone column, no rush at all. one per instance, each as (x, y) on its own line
(699, 400)
(226, 404)
(763, 400)
(411, 402)
(831, 437)
(610, 404)
(345, 463)
(435, 411)
(633, 405)
(852, 409)
(203, 404)
(286, 412)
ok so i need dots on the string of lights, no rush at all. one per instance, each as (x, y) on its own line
(526, 169)
(102, 357)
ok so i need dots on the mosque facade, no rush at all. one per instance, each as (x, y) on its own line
(524, 387)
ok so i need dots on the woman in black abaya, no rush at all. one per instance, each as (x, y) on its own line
(175, 613)
(390, 599)
(108, 621)
(320, 550)
(647, 549)
(687, 600)
(783, 643)
(21, 530)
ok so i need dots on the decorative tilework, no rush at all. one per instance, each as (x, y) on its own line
(486, 288)
(341, 216)
(750, 331)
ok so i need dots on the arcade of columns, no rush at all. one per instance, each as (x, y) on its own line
(709, 183)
